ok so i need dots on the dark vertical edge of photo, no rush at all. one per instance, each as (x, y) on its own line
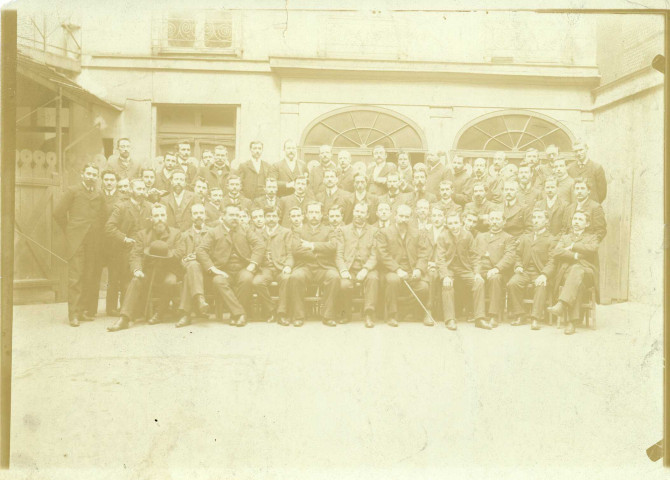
(7, 141)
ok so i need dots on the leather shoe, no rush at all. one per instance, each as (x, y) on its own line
(392, 322)
(558, 309)
(493, 322)
(241, 321)
(85, 317)
(298, 322)
(517, 322)
(203, 306)
(283, 321)
(154, 319)
(121, 324)
(451, 324)
(183, 322)
(482, 323)
(428, 321)
(570, 328)
(329, 322)
(534, 325)
(74, 321)
(369, 322)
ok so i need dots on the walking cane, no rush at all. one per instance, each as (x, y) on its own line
(417, 299)
(148, 308)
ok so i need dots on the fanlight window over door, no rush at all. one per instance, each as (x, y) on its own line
(513, 132)
(359, 131)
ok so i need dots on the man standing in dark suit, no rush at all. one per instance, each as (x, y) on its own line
(516, 214)
(496, 183)
(436, 173)
(420, 189)
(213, 207)
(121, 163)
(254, 171)
(539, 170)
(356, 260)
(496, 250)
(403, 254)
(379, 170)
(316, 173)
(361, 195)
(448, 206)
(480, 206)
(576, 254)
(270, 199)
(164, 175)
(591, 171)
(458, 261)
(584, 203)
(393, 197)
(313, 250)
(461, 184)
(301, 197)
(289, 168)
(565, 184)
(216, 174)
(553, 205)
(527, 194)
(154, 254)
(534, 266)
(178, 202)
(234, 197)
(345, 173)
(405, 172)
(232, 255)
(80, 213)
(333, 195)
(277, 266)
(185, 161)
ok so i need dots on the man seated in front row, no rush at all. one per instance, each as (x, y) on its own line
(193, 288)
(314, 256)
(534, 266)
(232, 254)
(403, 254)
(457, 261)
(576, 256)
(154, 253)
(356, 260)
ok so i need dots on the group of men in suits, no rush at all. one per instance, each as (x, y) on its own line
(454, 241)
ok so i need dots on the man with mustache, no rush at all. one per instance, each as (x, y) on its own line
(234, 196)
(148, 176)
(270, 199)
(480, 206)
(526, 193)
(163, 180)
(296, 217)
(80, 213)
(496, 183)
(232, 255)
(420, 189)
(254, 171)
(564, 182)
(333, 195)
(300, 198)
(345, 175)
(316, 174)
(436, 173)
(393, 196)
(178, 202)
(121, 163)
(592, 172)
(216, 173)
(461, 184)
(154, 255)
(539, 170)
(288, 169)
(361, 195)
(379, 170)
(553, 205)
(583, 203)
(185, 161)
(516, 214)
(405, 172)
(201, 190)
(445, 202)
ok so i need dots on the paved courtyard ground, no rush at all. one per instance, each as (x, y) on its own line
(264, 401)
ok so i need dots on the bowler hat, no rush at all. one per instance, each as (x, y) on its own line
(157, 249)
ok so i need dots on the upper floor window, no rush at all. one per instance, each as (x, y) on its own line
(198, 31)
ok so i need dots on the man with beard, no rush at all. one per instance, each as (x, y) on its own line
(534, 266)
(480, 206)
(564, 182)
(121, 163)
(526, 194)
(403, 254)
(421, 221)
(154, 262)
(206, 158)
(232, 255)
(254, 172)
(517, 215)
(436, 173)
(178, 202)
(356, 259)
(361, 195)
(458, 261)
(584, 203)
(496, 250)
(333, 195)
(213, 207)
(296, 217)
(479, 174)
(148, 176)
(163, 182)
(289, 168)
(216, 173)
(200, 189)
(257, 220)
(553, 205)
(79, 213)
(127, 219)
(420, 190)
(539, 170)
(379, 170)
(461, 184)
(193, 287)
(405, 172)
(277, 266)
(435, 284)
(187, 163)
(345, 177)
(576, 255)
(314, 256)
(393, 197)
(316, 174)
(270, 199)
(448, 206)
(496, 183)
(589, 170)
(300, 198)
(234, 196)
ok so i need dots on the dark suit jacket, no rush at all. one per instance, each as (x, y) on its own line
(189, 240)
(325, 246)
(129, 171)
(595, 210)
(127, 220)
(496, 250)
(390, 248)
(517, 219)
(395, 202)
(253, 184)
(556, 213)
(212, 214)
(376, 188)
(565, 190)
(286, 175)
(346, 180)
(481, 210)
(406, 178)
(353, 244)
(536, 254)
(410, 198)
(371, 200)
(179, 217)
(586, 246)
(162, 182)
(211, 175)
(431, 243)
(529, 197)
(449, 208)
(218, 245)
(290, 201)
(434, 176)
(262, 202)
(139, 261)
(456, 249)
(241, 201)
(342, 198)
(461, 187)
(494, 191)
(80, 214)
(595, 176)
(278, 247)
(315, 183)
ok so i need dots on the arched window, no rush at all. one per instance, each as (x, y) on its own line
(359, 130)
(514, 132)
